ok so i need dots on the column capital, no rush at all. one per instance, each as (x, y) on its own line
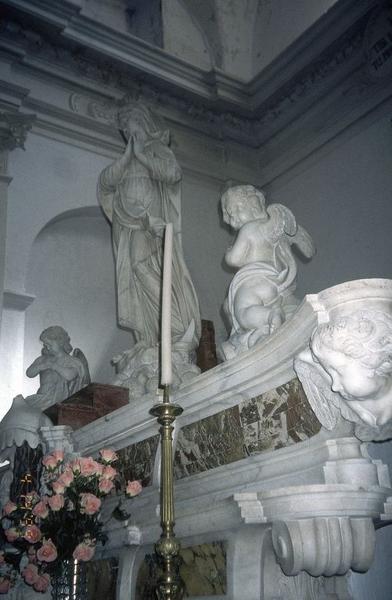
(14, 127)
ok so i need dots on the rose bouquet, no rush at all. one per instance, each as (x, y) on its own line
(41, 532)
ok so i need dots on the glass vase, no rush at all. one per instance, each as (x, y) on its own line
(70, 582)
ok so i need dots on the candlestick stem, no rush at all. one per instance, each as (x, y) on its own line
(169, 586)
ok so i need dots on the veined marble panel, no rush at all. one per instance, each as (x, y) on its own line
(101, 579)
(203, 571)
(137, 460)
(273, 420)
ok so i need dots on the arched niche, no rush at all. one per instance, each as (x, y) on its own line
(71, 273)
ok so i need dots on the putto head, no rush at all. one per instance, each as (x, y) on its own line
(56, 334)
(363, 336)
(242, 203)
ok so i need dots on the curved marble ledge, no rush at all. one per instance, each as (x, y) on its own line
(315, 478)
(261, 369)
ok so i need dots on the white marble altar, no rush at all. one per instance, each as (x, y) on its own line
(283, 508)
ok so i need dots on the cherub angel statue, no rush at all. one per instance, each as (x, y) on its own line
(261, 294)
(347, 372)
(61, 373)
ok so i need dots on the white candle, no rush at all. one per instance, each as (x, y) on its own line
(166, 363)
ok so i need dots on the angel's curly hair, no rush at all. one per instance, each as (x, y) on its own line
(56, 332)
(244, 195)
(363, 335)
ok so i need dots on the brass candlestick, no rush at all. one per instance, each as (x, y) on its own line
(169, 585)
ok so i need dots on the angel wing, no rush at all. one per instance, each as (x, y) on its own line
(304, 242)
(295, 234)
(86, 379)
(324, 402)
(283, 218)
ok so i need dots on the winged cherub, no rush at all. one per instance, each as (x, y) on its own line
(261, 294)
(347, 371)
(61, 373)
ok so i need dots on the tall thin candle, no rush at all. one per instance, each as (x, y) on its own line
(166, 362)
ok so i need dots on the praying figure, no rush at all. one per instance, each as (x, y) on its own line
(261, 294)
(347, 371)
(140, 192)
(61, 373)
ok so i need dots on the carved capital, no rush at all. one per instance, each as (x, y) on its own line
(324, 545)
(13, 130)
(58, 438)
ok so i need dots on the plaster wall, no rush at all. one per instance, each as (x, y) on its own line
(182, 35)
(280, 23)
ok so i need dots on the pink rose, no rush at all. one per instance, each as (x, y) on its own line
(5, 585)
(133, 488)
(30, 574)
(83, 552)
(58, 487)
(89, 467)
(67, 477)
(108, 455)
(50, 462)
(56, 502)
(58, 455)
(9, 508)
(105, 486)
(32, 534)
(12, 534)
(42, 583)
(109, 473)
(40, 510)
(89, 504)
(74, 465)
(47, 552)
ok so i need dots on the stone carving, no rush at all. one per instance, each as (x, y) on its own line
(305, 545)
(138, 368)
(261, 294)
(140, 193)
(21, 424)
(347, 372)
(61, 374)
(13, 130)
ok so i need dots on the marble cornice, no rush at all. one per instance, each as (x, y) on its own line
(118, 64)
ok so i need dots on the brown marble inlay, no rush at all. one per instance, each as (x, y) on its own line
(273, 420)
(137, 460)
(101, 579)
(202, 569)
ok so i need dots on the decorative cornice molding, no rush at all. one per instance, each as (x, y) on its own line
(17, 300)
(193, 97)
